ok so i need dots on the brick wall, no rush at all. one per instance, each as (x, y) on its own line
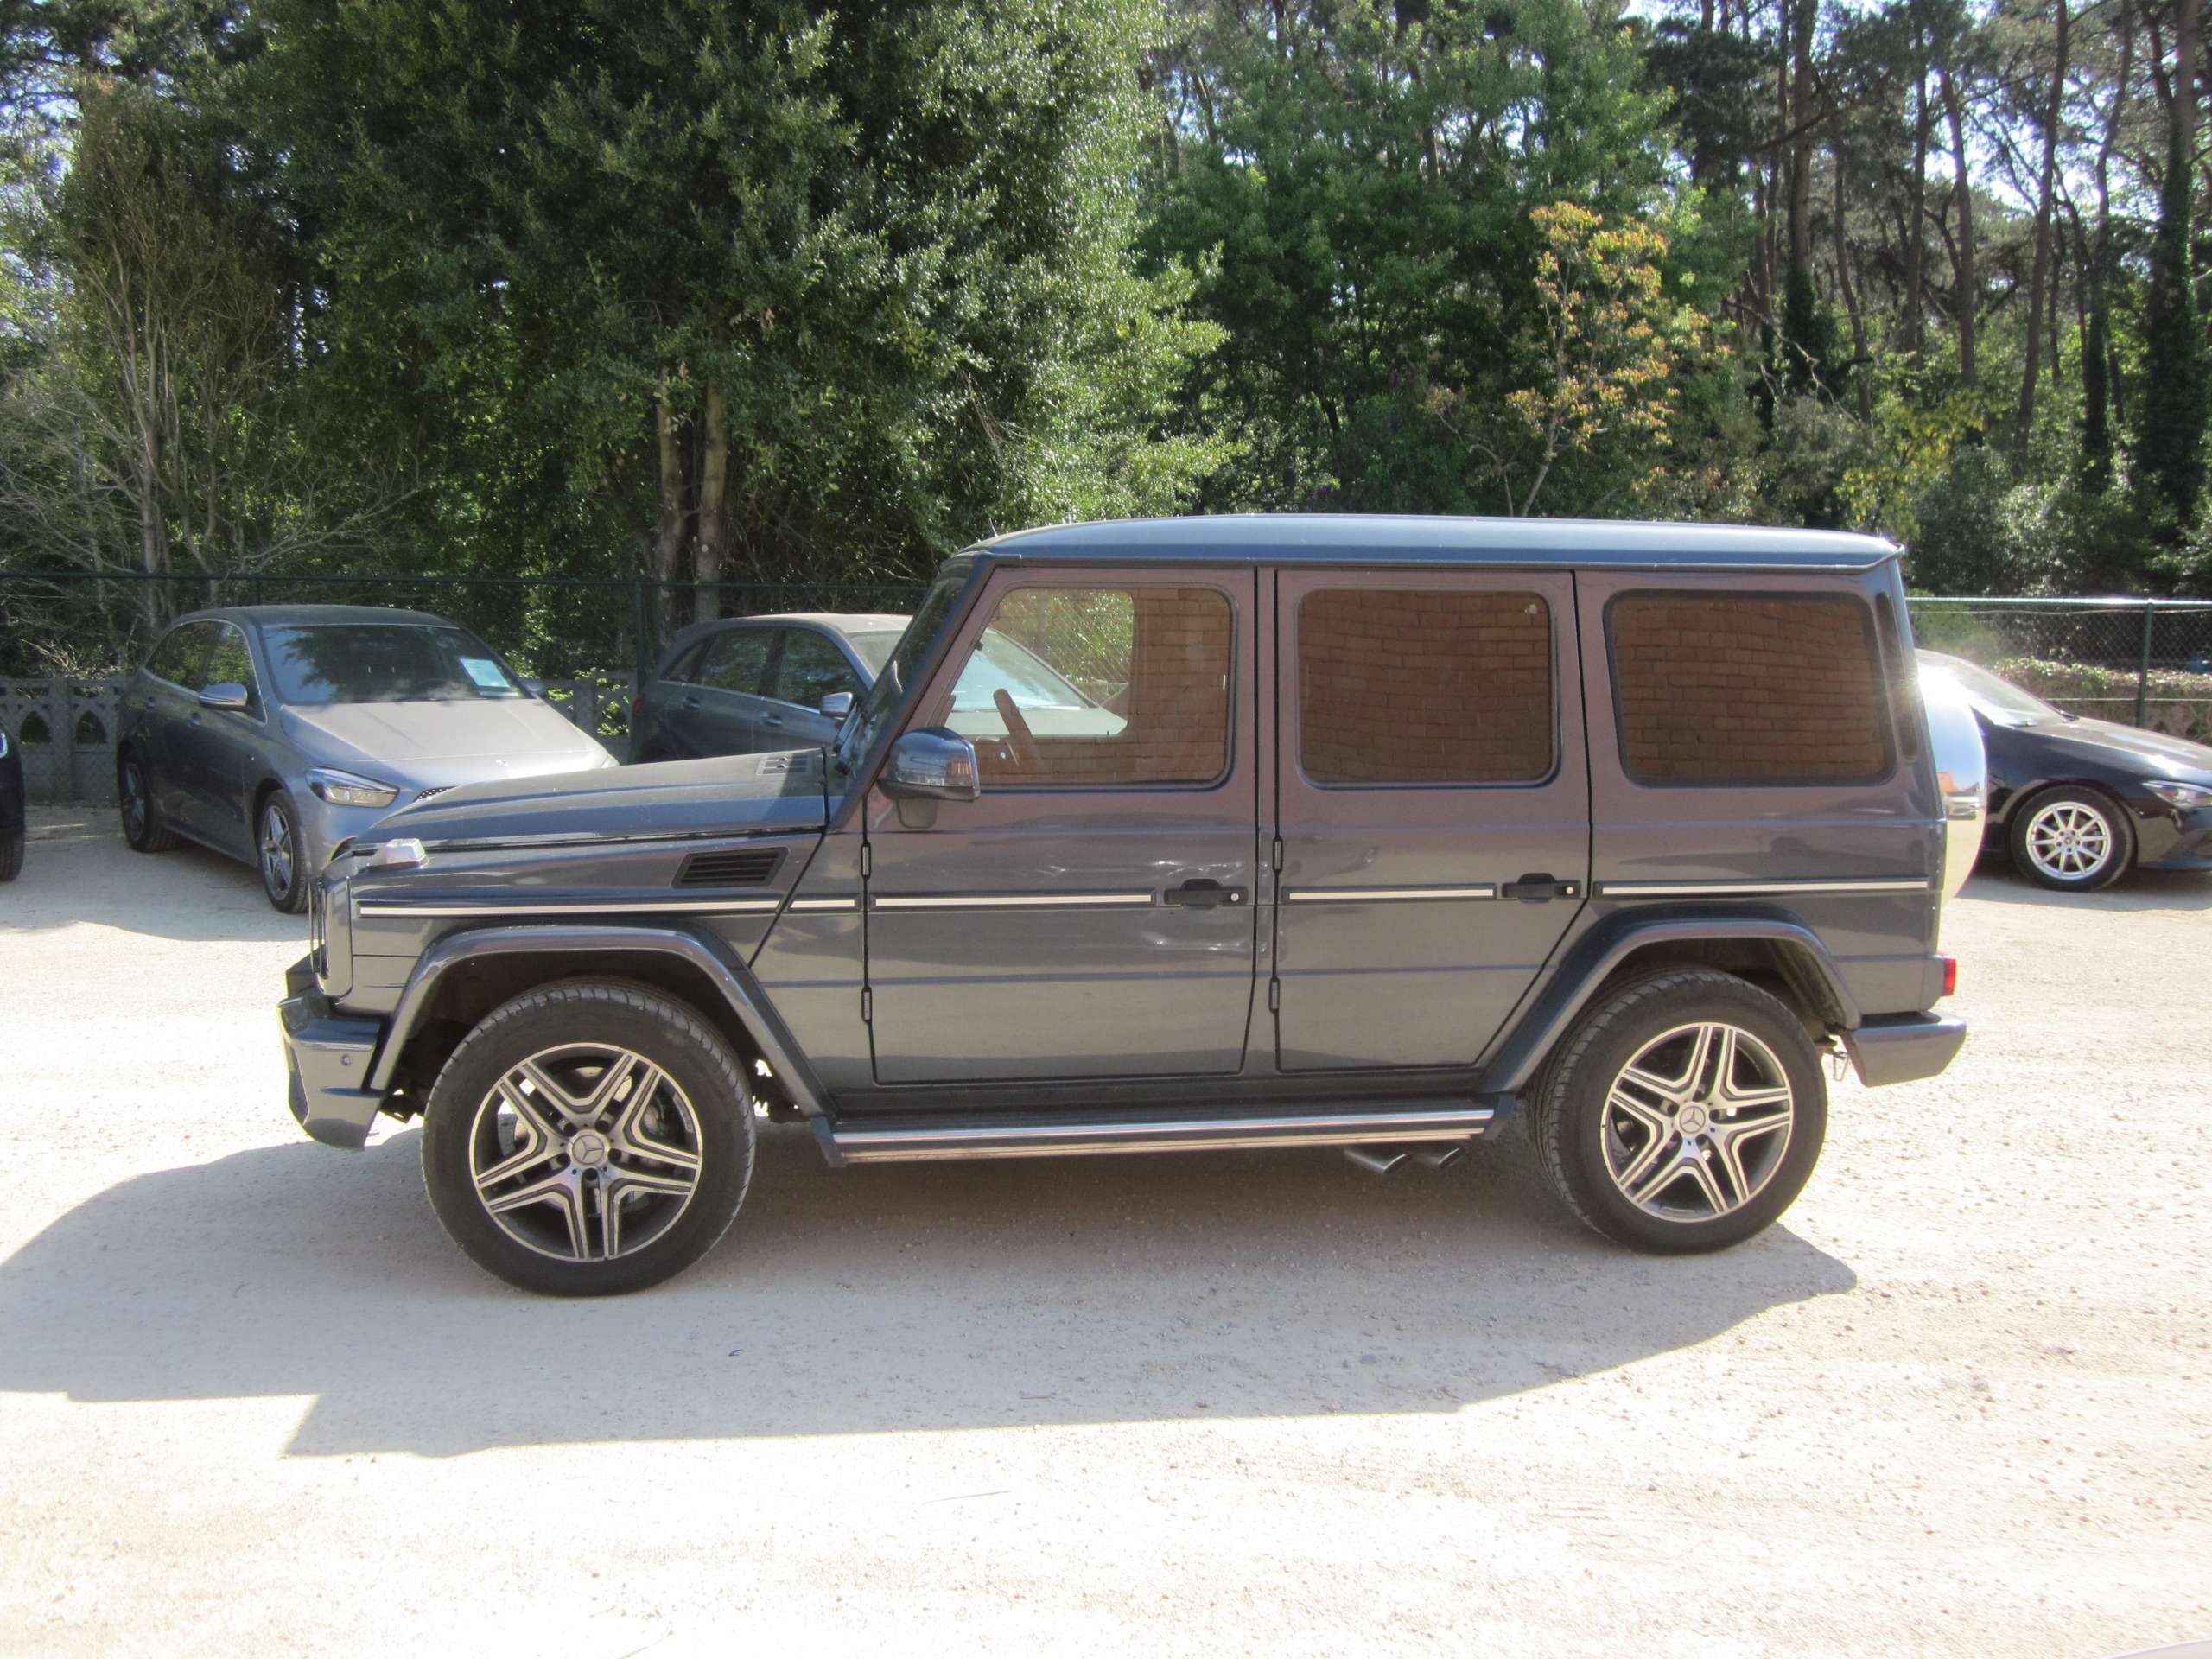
(1443, 686)
(1170, 645)
(1717, 690)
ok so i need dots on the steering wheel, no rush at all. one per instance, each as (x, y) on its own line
(1020, 741)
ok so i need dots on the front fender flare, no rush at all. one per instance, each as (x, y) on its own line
(1599, 952)
(723, 970)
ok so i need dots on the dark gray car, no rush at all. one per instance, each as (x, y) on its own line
(759, 683)
(274, 732)
(1365, 833)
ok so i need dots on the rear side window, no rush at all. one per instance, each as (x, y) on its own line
(1748, 689)
(1424, 686)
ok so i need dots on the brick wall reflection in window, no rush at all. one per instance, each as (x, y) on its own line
(1098, 688)
(1424, 686)
(1744, 690)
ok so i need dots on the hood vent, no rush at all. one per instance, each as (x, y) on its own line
(748, 867)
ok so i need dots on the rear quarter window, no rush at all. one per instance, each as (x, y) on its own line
(1748, 689)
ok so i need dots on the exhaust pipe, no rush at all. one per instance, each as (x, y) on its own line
(1442, 1157)
(1380, 1160)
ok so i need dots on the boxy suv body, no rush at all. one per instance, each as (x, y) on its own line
(1370, 833)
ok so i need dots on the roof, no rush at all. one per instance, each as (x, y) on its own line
(839, 621)
(1377, 539)
(287, 616)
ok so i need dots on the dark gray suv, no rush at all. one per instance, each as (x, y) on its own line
(1365, 833)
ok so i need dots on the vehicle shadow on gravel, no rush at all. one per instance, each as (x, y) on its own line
(77, 869)
(1997, 883)
(926, 1297)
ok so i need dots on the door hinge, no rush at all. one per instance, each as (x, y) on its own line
(867, 859)
(1275, 996)
(1274, 856)
(868, 1006)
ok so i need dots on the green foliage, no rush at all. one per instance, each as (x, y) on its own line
(2177, 396)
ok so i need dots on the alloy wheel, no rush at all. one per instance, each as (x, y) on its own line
(585, 1152)
(134, 801)
(1697, 1122)
(2069, 842)
(277, 854)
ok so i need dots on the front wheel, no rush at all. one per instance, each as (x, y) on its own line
(1684, 1113)
(11, 858)
(2073, 840)
(284, 875)
(588, 1139)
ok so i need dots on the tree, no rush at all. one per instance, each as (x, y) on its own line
(2172, 409)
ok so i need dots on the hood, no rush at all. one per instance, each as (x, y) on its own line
(2159, 754)
(731, 795)
(422, 744)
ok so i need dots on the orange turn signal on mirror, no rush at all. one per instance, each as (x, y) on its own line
(1950, 975)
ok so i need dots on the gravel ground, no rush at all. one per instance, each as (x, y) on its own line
(1958, 1402)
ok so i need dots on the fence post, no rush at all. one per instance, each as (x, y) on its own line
(2143, 668)
(643, 667)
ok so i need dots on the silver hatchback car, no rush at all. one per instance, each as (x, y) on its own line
(273, 732)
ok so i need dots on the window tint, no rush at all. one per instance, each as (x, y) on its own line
(1744, 689)
(179, 657)
(738, 661)
(1423, 686)
(810, 668)
(230, 663)
(1098, 687)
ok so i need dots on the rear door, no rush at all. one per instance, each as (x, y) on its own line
(808, 667)
(1433, 805)
(720, 713)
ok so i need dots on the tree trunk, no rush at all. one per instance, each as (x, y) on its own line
(1915, 260)
(714, 480)
(2039, 271)
(668, 541)
(1860, 361)
(1968, 298)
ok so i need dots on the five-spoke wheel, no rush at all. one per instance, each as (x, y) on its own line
(1684, 1112)
(143, 828)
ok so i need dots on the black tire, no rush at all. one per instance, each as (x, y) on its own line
(143, 828)
(11, 857)
(461, 1128)
(1574, 1122)
(2034, 831)
(285, 877)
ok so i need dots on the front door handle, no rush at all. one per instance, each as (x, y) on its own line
(1204, 894)
(1536, 889)
(690, 702)
(772, 720)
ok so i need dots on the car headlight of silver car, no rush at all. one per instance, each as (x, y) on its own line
(2188, 797)
(348, 789)
(3, 742)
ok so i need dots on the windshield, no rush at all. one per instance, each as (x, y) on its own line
(1999, 700)
(348, 662)
(874, 649)
(929, 618)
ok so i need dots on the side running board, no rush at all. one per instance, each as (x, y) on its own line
(906, 1140)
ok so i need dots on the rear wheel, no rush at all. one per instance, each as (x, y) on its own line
(1684, 1113)
(134, 796)
(2073, 840)
(588, 1139)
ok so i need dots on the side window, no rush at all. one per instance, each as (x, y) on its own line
(810, 668)
(737, 661)
(229, 661)
(180, 656)
(1748, 689)
(685, 668)
(1098, 688)
(1405, 686)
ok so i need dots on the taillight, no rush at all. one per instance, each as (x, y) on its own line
(1950, 975)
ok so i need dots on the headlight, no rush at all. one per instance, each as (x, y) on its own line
(2188, 797)
(344, 789)
(3, 742)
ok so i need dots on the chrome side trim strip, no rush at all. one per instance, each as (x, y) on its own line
(1008, 900)
(810, 906)
(1362, 895)
(583, 907)
(872, 1146)
(1758, 889)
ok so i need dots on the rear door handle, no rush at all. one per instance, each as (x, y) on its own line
(1536, 889)
(1204, 894)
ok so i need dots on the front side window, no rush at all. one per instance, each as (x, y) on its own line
(738, 661)
(346, 662)
(1401, 685)
(1098, 688)
(1748, 689)
(229, 662)
(810, 669)
(181, 654)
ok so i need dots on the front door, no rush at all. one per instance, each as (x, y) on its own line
(172, 705)
(1090, 915)
(214, 745)
(719, 712)
(808, 668)
(1433, 805)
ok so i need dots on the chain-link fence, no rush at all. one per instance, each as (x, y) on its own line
(2142, 662)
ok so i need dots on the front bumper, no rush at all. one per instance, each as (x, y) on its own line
(2175, 840)
(1903, 1047)
(327, 1055)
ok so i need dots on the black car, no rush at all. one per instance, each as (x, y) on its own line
(11, 809)
(2076, 802)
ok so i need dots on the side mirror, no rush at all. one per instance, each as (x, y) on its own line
(933, 764)
(224, 694)
(836, 706)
